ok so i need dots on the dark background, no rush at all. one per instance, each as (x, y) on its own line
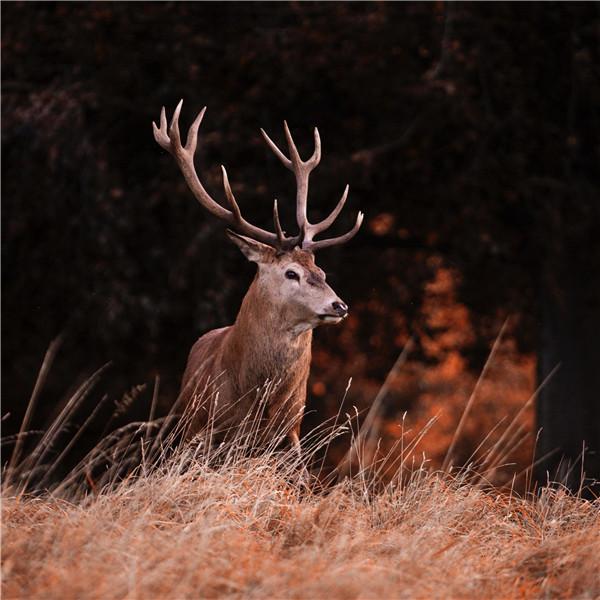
(468, 134)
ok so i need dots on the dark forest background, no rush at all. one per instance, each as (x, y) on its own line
(468, 133)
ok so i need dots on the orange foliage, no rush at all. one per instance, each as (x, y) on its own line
(436, 381)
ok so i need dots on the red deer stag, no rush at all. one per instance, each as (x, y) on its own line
(271, 337)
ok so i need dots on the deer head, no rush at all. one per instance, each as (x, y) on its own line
(287, 273)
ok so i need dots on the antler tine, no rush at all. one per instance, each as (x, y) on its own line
(333, 215)
(192, 136)
(315, 159)
(294, 156)
(169, 138)
(235, 209)
(277, 222)
(342, 239)
(278, 153)
(174, 127)
(160, 133)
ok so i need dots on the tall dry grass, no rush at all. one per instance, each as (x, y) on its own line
(248, 530)
(133, 520)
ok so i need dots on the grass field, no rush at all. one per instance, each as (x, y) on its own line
(227, 520)
(250, 528)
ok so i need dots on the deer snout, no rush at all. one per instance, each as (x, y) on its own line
(340, 308)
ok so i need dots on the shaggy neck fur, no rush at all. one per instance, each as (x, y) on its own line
(267, 341)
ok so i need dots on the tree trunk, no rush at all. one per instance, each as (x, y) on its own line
(568, 408)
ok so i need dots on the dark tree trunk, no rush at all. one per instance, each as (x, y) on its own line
(568, 409)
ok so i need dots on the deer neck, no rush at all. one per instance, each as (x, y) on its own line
(265, 337)
(261, 321)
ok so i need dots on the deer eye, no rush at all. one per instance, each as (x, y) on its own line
(292, 275)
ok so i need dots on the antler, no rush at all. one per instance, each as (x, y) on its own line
(170, 139)
(302, 170)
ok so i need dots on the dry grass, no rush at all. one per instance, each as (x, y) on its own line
(245, 529)
(226, 521)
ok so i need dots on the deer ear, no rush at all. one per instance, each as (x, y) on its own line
(254, 251)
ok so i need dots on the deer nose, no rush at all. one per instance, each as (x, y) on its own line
(340, 308)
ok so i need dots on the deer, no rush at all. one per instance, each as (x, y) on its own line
(271, 337)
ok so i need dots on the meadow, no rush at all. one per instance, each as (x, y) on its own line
(226, 521)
